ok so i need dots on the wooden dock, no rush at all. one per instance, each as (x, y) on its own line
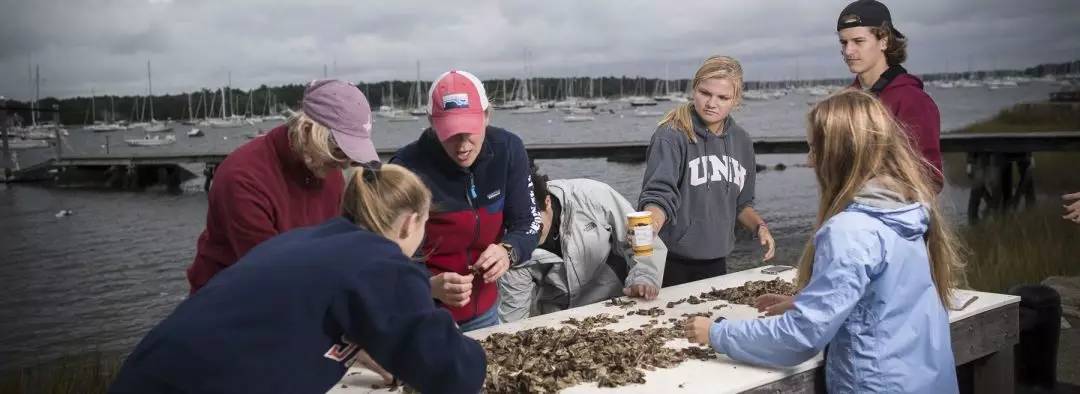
(1062, 141)
(991, 158)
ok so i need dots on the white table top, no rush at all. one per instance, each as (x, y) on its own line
(721, 375)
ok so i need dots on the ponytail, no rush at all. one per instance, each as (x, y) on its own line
(378, 194)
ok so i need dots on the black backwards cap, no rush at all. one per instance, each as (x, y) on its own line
(869, 13)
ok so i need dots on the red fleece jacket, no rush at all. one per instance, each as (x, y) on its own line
(261, 189)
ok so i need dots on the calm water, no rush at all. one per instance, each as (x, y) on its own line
(99, 279)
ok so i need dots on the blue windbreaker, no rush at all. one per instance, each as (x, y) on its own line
(870, 299)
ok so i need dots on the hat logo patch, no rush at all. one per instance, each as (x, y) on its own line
(457, 100)
(850, 19)
(367, 125)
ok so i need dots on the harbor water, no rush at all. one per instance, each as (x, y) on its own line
(98, 279)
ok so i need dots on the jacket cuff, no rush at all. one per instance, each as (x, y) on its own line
(744, 205)
(642, 278)
(716, 336)
(659, 202)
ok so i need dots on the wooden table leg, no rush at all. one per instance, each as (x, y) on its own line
(994, 373)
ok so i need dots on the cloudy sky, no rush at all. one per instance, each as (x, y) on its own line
(104, 44)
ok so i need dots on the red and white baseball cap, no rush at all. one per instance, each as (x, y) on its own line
(457, 101)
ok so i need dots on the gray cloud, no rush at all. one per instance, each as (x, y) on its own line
(105, 44)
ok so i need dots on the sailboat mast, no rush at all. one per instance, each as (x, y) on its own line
(150, 90)
(223, 103)
(30, 87)
(37, 93)
(667, 79)
(419, 99)
(93, 108)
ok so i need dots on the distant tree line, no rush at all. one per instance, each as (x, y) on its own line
(259, 101)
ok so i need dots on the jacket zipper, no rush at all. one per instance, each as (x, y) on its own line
(470, 194)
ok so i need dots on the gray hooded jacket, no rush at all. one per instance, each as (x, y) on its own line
(701, 187)
(593, 230)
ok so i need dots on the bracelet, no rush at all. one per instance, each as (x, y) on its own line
(762, 225)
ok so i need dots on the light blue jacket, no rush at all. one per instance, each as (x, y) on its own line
(870, 299)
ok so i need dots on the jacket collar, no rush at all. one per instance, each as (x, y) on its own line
(884, 80)
(431, 147)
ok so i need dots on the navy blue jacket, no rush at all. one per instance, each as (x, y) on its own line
(488, 203)
(295, 312)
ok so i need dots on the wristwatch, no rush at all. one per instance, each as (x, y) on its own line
(509, 252)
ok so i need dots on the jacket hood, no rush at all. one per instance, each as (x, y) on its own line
(905, 80)
(703, 132)
(909, 219)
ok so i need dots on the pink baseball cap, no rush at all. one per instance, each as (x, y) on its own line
(457, 101)
(342, 108)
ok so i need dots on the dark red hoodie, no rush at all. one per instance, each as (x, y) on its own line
(904, 96)
(262, 189)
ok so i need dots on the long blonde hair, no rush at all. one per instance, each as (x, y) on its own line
(854, 139)
(715, 67)
(376, 196)
(311, 141)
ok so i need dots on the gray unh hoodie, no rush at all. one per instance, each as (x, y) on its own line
(701, 187)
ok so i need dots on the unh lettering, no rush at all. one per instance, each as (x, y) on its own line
(714, 169)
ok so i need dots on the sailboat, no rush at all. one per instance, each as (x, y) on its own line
(191, 113)
(420, 109)
(101, 127)
(641, 113)
(151, 141)
(272, 113)
(578, 118)
(250, 117)
(594, 101)
(524, 102)
(154, 126)
(393, 114)
(225, 121)
(662, 94)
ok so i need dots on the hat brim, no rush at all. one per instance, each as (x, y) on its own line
(449, 125)
(896, 33)
(360, 150)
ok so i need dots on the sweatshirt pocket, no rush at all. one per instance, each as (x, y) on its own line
(680, 231)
